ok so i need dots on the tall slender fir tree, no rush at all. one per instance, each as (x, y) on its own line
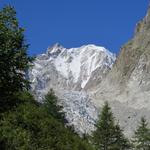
(108, 135)
(141, 139)
(13, 58)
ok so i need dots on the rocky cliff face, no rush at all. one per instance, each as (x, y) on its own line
(128, 83)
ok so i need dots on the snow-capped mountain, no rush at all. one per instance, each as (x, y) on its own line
(72, 73)
(70, 69)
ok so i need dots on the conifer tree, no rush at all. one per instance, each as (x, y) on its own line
(141, 139)
(51, 106)
(120, 141)
(103, 136)
(108, 136)
(13, 58)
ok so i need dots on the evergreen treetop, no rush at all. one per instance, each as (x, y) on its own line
(141, 139)
(51, 105)
(14, 60)
(108, 135)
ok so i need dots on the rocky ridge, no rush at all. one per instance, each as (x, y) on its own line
(127, 85)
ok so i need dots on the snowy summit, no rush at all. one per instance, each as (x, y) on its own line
(76, 65)
(72, 73)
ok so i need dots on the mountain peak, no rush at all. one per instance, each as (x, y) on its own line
(55, 48)
(148, 12)
(57, 45)
(143, 26)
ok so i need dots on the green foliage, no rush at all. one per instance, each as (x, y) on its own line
(141, 139)
(108, 136)
(51, 106)
(24, 124)
(25, 97)
(30, 127)
(13, 58)
(120, 141)
(103, 135)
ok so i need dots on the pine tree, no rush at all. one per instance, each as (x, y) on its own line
(108, 136)
(120, 141)
(141, 139)
(13, 58)
(105, 128)
(51, 106)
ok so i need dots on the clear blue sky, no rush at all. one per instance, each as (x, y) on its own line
(72, 23)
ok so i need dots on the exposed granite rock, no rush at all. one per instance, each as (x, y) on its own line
(128, 82)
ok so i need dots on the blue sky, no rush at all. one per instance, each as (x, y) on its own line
(72, 23)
